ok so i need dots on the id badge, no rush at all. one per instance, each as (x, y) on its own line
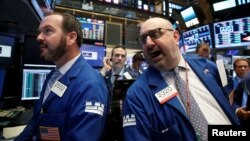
(166, 94)
(59, 88)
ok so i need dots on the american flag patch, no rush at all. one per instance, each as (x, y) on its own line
(129, 120)
(94, 107)
(49, 133)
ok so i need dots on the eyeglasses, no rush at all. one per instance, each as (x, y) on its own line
(153, 34)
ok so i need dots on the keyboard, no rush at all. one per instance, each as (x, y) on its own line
(9, 114)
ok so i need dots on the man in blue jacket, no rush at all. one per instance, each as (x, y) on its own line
(154, 109)
(241, 101)
(75, 107)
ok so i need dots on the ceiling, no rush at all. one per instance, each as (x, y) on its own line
(18, 17)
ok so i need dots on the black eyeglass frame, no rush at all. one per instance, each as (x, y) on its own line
(153, 34)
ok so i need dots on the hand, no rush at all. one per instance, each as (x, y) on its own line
(243, 114)
(106, 65)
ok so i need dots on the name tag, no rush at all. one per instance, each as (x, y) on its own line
(127, 75)
(59, 88)
(166, 94)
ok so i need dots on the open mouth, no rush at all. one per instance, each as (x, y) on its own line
(155, 54)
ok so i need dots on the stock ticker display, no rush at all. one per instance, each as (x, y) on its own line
(232, 33)
(195, 36)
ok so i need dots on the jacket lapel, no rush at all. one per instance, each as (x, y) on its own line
(67, 78)
(157, 83)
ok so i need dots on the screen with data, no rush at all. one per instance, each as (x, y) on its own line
(92, 28)
(2, 78)
(94, 54)
(32, 84)
(7, 46)
(189, 16)
(232, 33)
(195, 36)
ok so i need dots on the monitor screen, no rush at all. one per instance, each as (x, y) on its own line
(195, 36)
(232, 33)
(189, 16)
(223, 4)
(7, 45)
(131, 37)
(31, 53)
(93, 54)
(32, 84)
(232, 52)
(2, 77)
(227, 60)
(92, 29)
(243, 2)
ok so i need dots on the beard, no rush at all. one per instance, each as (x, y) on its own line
(56, 53)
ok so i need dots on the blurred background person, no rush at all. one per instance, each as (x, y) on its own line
(203, 50)
(114, 69)
(241, 101)
(241, 69)
(135, 68)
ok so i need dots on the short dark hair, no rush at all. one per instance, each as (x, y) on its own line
(240, 59)
(138, 57)
(118, 46)
(69, 24)
(200, 45)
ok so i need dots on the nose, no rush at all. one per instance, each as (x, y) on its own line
(39, 37)
(149, 41)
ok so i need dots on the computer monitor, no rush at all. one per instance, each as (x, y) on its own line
(94, 54)
(232, 33)
(189, 16)
(227, 60)
(223, 4)
(2, 78)
(93, 29)
(7, 46)
(195, 36)
(33, 79)
(31, 53)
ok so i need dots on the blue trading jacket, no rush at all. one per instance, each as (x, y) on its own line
(80, 114)
(145, 119)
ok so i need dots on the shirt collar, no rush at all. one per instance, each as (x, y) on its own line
(182, 65)
(68, 65)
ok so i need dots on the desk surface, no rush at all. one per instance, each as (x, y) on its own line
(22, 119)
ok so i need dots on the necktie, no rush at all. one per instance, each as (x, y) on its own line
(197, 118)
(116, 76)
(54, 77)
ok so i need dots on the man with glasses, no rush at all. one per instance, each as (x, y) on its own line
(155, 107)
